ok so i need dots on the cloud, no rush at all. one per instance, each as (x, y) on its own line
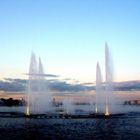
(20, 85)
(63, 86)
(52, 75)
(46, 75)
(127, 86)
(12, 85)
(89, 83)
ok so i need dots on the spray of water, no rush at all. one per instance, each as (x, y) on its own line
(105, 102)
(39, 99)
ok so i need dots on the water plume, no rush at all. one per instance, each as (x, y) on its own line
(105, 102)
(39, 100)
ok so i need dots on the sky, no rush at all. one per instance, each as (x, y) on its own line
(69, 36)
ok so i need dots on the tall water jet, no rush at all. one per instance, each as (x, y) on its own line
(68, 105)
(31, 83)
(38, 99)
(100, 96)
(105, 96)
(45, 99)
(109, 105)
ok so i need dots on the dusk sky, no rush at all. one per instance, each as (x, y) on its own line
(69, 36)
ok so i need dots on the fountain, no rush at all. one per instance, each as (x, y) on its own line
(39, 101)
(68, 105)
(100, 96)
(105, 96)
(110, 99)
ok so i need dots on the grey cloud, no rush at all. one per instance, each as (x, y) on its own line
(13, 85)
(18, 85)
(89, 83)
(52, 75)
(54, 84)
(46, 75)
(63, 86)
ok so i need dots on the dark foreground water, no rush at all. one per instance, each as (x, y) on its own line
(121, 128)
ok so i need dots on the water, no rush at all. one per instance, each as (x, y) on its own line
(68, 105)
(105, 97)
(100, 96)
(39, 99)
(110, 101)
(124, 127)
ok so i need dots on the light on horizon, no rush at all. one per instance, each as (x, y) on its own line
(27, 110)
(106, 111)
(96, 110)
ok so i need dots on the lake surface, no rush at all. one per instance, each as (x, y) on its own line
(119, 128)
